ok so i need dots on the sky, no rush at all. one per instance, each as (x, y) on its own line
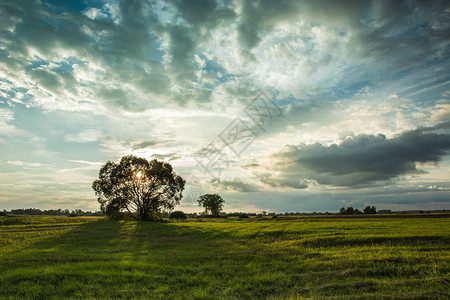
(277, 106)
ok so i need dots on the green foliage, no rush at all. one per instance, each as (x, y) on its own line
(349, 211)
(243, 216)
(370, 210)
(3, 214)
(212, 203)
(295, 258)
(137, 185)
(178, 215)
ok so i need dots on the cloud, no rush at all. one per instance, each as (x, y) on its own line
(86, 136)
(236, 185)
(357, 160)
(23, 163)
(441, 113)
(283, 181)
(147, 144)
(127, 56)
(90, 163)
(6, 116)
(168, 156)
(95, 81)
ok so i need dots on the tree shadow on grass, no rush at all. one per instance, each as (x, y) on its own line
(110, 259)
(79, 239)
(61, 264)
(107, 259)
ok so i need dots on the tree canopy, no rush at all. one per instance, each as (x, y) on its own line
(212, 203)
(138, 186)
(370, 210)
(178, 215)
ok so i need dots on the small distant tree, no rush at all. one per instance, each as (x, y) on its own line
(138, 186)
(349, 211)
(212, 203)
(370, 210)
(178, 215)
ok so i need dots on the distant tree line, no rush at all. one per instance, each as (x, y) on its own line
(182, 215)
(50, 212)
(368, 210)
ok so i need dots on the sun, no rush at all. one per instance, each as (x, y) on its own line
(139, 174)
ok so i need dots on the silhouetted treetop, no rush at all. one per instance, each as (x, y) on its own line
(138, 186)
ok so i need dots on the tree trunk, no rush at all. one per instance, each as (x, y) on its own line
(131, 213)
(144, 214)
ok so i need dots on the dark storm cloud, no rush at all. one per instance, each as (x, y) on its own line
(29, 24)
(406, 31)
(120, 49)
(150, 46)
(258, 17)
(203, 13)
(200, 18)
(127, 45)
(127, 48)
(358, 160)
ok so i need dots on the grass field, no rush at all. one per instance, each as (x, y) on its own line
(51, 257)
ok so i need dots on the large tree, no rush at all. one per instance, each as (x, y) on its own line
(212, 203)
(138, 185)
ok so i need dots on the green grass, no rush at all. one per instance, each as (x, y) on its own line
(44, 257)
